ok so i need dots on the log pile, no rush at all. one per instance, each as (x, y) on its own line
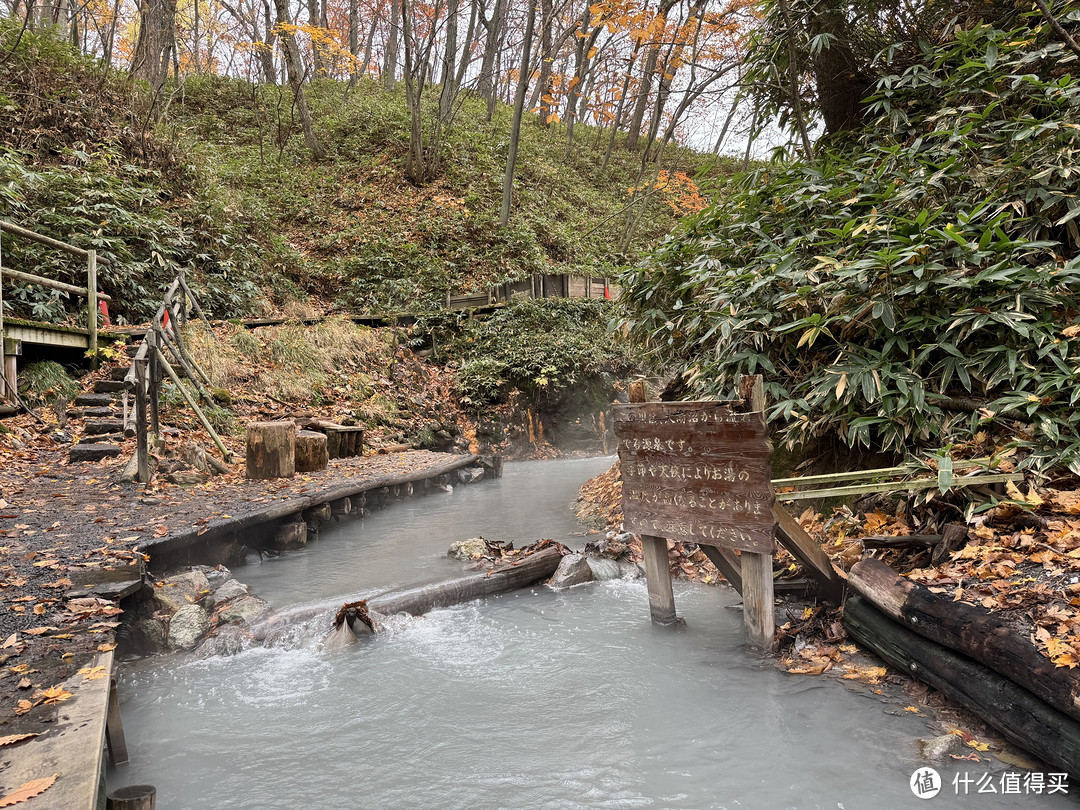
(971, 655)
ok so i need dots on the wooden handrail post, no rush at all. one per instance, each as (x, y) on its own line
(4, 395)
(91, 305)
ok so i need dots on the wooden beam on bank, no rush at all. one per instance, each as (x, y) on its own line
(1021, 717)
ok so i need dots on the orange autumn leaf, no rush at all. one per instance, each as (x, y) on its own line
(54, 695)
(11, 739)
(29, 790)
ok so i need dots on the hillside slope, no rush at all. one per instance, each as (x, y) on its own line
(224, 187)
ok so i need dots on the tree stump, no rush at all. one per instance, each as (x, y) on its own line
(271, 450)
(311, 454)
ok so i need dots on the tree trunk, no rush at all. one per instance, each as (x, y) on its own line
(390, 59)
(354, 39)
(449, 89)
(841, 84)
(370, 44)
(151, 59)
(318, 61)
(417, 168)
(271, 447)
(1021, 717)
(486, 85)
(970, 630)
(543, 87)
(466, 46)
(295, 70)
(645, 90)
(515, 126)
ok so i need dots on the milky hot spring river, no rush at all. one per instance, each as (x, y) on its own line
(535, 699)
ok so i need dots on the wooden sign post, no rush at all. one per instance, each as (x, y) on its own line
(699, 472)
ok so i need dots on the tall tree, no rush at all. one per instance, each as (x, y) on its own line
(294, 67)
(519, 108)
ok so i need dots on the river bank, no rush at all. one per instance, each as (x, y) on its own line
(73, 532)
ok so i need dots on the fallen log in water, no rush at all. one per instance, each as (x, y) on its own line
(1021, 717)
(500, 579)
(971, 630)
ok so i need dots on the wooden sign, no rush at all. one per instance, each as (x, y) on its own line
(697, 472)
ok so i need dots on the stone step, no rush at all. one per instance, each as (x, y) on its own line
(104, 426)
(93, 452)
(109, 386)
(119, 372)
(82, 413)
(94, 400)
(102, 437)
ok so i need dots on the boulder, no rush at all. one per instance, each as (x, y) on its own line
(230, 589)
(216, 575)
(245, 610)
(630, 570)
(180, 590)
(603, 568)
(938, 749)
(227, 640)
(468, 549)
(150, 634)
(187, 626)
(573, 570)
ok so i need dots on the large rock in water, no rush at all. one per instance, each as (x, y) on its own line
(187, 626)
(180, 590)
(246, 610)
(603, 568)
(230, 589)
(468, 549)
(228, 640)
(573, 570)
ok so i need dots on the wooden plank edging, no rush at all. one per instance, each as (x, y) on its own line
(217, 529)
(73, 747)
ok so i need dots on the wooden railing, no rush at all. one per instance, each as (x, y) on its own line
(90, 291)
(144, 378)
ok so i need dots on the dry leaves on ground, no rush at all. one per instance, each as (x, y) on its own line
(29, 791)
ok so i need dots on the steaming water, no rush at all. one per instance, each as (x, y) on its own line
(531, 700)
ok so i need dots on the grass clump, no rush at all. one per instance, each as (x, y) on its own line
(46, 382)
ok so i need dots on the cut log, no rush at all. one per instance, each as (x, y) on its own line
(133, 797)
(290, 536)
(271, 450)
(417, 601)
(901, 541)
(1021, 717)
(971, 630)
(311, 453)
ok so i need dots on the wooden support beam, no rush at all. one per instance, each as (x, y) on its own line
(142, 449)
(810, 555)
(654, 552)
(758, 600)
(727, 564)
(114, 728)
(757, 580)
(91, 305)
